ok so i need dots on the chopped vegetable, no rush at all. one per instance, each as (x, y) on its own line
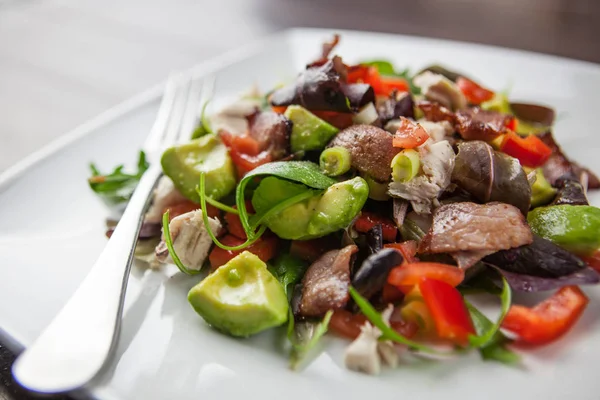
(117, 187)
(474, 93)
(447, 307)
(530, 151)
(306, 338)
(409, 275)
(409, 134)
(185, 162)
(541, 191)
(241, 298)
(405, 165)
(265, 248)
(372, 275)
(574, 228)
(548, 320)
(335, 161)
(309, 132)
(288, 270)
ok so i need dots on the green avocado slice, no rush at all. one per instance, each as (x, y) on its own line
(241, 298)
(184, 163)
(309, 132)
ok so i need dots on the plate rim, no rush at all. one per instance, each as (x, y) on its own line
(200, 69)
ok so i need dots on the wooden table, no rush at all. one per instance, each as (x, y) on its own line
(64, 61)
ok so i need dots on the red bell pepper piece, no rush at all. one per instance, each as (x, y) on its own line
(512, 124)
(391, 83)
(279, 109)
(593, 260)
(447, 307)
(474, 93)
(530, 151)
(548, 320)
(382, 85)
(409, 134)
(368, 220)
(234, 225)
(409, 275)
(265, 248)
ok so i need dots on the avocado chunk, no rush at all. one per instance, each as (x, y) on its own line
(542, 192)
(318, 215)
(183, 164)
(574, 228)
(241, 298)
(309, 132)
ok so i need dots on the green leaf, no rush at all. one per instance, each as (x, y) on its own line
(383, 67)
(304, 172)
(169, 243)
(388, 333)
(117, 187)
(204, 126)
(288, 270)
(495, 349)
(305, 337)
(484, 338)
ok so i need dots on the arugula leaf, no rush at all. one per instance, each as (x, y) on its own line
(117, 187)
(304, 172)
(169, 243)
(304, 337)
(495, 349)
(483, 339)
(288, 270)
(409, 79)
(388, 333)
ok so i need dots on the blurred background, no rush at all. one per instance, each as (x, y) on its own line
(64, 61)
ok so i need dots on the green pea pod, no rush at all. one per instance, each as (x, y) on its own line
(575, 228)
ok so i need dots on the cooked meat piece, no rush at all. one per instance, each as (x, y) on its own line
(233, 118)
(437, 163)
(559, 165)
(478, 124)
(370, 148)
(437, 131)
(438, 88)
(325, 284)
(190, 240)
(435, 112)
(272, 132)
(164, 195)
(475, 227)
(570, 191)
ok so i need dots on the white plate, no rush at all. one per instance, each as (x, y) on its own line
(52, 229)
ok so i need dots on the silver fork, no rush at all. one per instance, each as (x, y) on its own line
(72, 350)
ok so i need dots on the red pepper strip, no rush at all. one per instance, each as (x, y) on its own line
(447, 307)
(368, 220)
(357, 73)
(474, 93)
(512, 124)
(593, 260)
(548, 320)
(530, 151)
(346, 324)
(409, 275)
(265, 248)
(408, 250)
(409, 134)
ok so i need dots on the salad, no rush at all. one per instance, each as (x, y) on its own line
(369, 203)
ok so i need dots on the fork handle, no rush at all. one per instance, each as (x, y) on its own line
(73, 348)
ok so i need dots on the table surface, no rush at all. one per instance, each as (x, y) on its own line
(64, 61)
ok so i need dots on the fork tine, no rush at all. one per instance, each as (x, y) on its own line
(173, 131)
(192, 114)
(152, 143)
